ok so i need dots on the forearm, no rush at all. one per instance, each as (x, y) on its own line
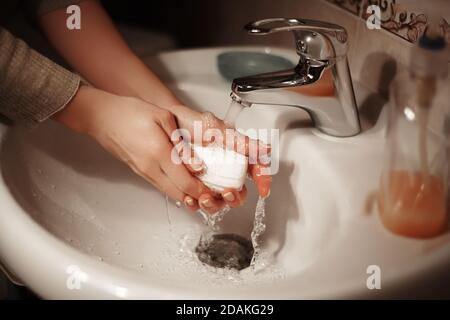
(101, 56)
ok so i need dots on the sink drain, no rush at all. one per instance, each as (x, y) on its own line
(225, 251)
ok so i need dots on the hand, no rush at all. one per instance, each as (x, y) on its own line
(137, 133)
(124, 125)
(186, 118)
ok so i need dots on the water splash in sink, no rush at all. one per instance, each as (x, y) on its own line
(169, 220)
(182, 262)
(188, 246)
(258, 229)
(212, 220)
(230, 250)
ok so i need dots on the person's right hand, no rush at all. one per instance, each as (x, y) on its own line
(137, 133)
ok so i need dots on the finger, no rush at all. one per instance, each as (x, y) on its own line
(244, 145)
(233, 139)
(167, 122)
(179, 175)
(210, 204)
(175, 170)
(262, 181)
(238, 142)
(162, 182)
(167, 187)
(264, 151)
(193, 163)
(191, 203)
(195, 167)
(235, 198)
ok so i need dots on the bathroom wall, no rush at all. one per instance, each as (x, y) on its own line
(405, 18)
(374, 55)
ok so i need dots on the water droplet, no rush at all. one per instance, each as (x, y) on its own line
(53, 186)
(117, 253)
(39, 171)
(141, 266)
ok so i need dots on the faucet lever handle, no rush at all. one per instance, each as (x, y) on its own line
(311, 36)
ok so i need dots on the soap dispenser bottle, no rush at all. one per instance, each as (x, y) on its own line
(413, 193)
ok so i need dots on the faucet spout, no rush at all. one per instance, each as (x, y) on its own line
(276, 80)
(335, 113)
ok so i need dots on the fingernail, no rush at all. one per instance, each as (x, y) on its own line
(188, 201)
(229, 196)
(265, 192)
(207, 203)
(197, 166)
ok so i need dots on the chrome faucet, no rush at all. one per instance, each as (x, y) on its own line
(320, 46)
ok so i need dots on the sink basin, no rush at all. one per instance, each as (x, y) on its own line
(76, 223)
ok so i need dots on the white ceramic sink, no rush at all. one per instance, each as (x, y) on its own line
(68, 209)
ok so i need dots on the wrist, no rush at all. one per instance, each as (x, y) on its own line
(80, 113)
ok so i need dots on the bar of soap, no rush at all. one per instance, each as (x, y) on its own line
(224, 168)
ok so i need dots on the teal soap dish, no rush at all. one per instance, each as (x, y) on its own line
(236, 64)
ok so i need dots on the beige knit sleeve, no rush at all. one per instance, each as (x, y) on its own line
(32, 87)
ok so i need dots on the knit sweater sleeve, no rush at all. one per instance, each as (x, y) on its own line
(32, 87)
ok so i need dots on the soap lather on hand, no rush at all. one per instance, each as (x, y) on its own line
(224, 172)
(223, 166)
(227, 169)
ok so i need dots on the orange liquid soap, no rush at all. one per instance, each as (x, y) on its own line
(413, 204)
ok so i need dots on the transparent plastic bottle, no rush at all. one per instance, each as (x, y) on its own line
(413, 195)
